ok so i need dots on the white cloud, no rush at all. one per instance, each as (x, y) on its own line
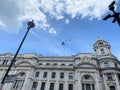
(14, 12)
(67, 21)
(52, 31)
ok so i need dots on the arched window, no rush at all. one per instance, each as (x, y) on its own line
(119, 77)
(87, 83)
(106, 64)
(19, 81)
(100, 44)
(102, 51)
(109, 76)
(116, 65)
(22, 75)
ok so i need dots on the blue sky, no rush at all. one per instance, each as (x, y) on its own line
(57, 21)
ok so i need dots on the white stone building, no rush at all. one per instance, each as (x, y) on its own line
(84, 71)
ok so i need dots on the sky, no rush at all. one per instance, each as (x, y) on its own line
(78, 23)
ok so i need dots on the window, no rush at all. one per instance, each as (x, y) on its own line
(70, 64)
(87, 77)
(100, 44)
(18, 84)
(83, 87)
(5, 62)
(34, 87)
(51, 86)
(55, 64)
(47, 63)
(40, 64)
(119, 77)
(45, 75)
(109, 76)
(116, 65)
(88, 87)
(14, 62)
(112, 87)
(22, 75)
(53, 75)
(42, 86)
(61, 86)
(62, 64)
(102, 51)
(70, 86)
(61, 75)
(70, 75)
(106, 64)
(37, 74)
(19, 81)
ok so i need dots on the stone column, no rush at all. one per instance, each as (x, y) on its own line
(77, 81)
(66, 79)
(97, 85)
(56, 85)
(28, 83)
(117, 83)
(105, 83)
(47, 85)
(39, 85)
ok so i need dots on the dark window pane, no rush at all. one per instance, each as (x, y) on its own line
(106, 64)
(54, 64)
(102, 51)
(109, 76)
(100, 44)
(83, 87)
(87, 77)
(93, 87)
(61, 75)
(88, 87)
(119, 77)
(53, 75)
(34, 85)
(116, 65)
(112, 87)
(5, 62)
(70, 75)
(70, 87)
(45, 75)
(61, 86)
(51, 86)
(18, 84)
(42, 86)
(37, 74)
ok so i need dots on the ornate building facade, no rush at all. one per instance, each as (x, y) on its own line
(84, 71)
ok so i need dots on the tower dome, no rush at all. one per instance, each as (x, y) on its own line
(101, 47)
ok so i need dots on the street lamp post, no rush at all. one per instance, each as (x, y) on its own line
(115, 14)
(30, 25)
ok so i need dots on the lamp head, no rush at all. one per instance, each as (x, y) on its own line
(31, 24)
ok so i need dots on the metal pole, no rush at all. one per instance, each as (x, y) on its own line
(30, 25)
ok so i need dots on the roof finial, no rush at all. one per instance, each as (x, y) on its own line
(99, 38)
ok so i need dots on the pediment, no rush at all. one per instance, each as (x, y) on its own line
(111, 83)
(24, 64)
(86, 65)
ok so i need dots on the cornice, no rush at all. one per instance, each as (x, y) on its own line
(109, 68)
